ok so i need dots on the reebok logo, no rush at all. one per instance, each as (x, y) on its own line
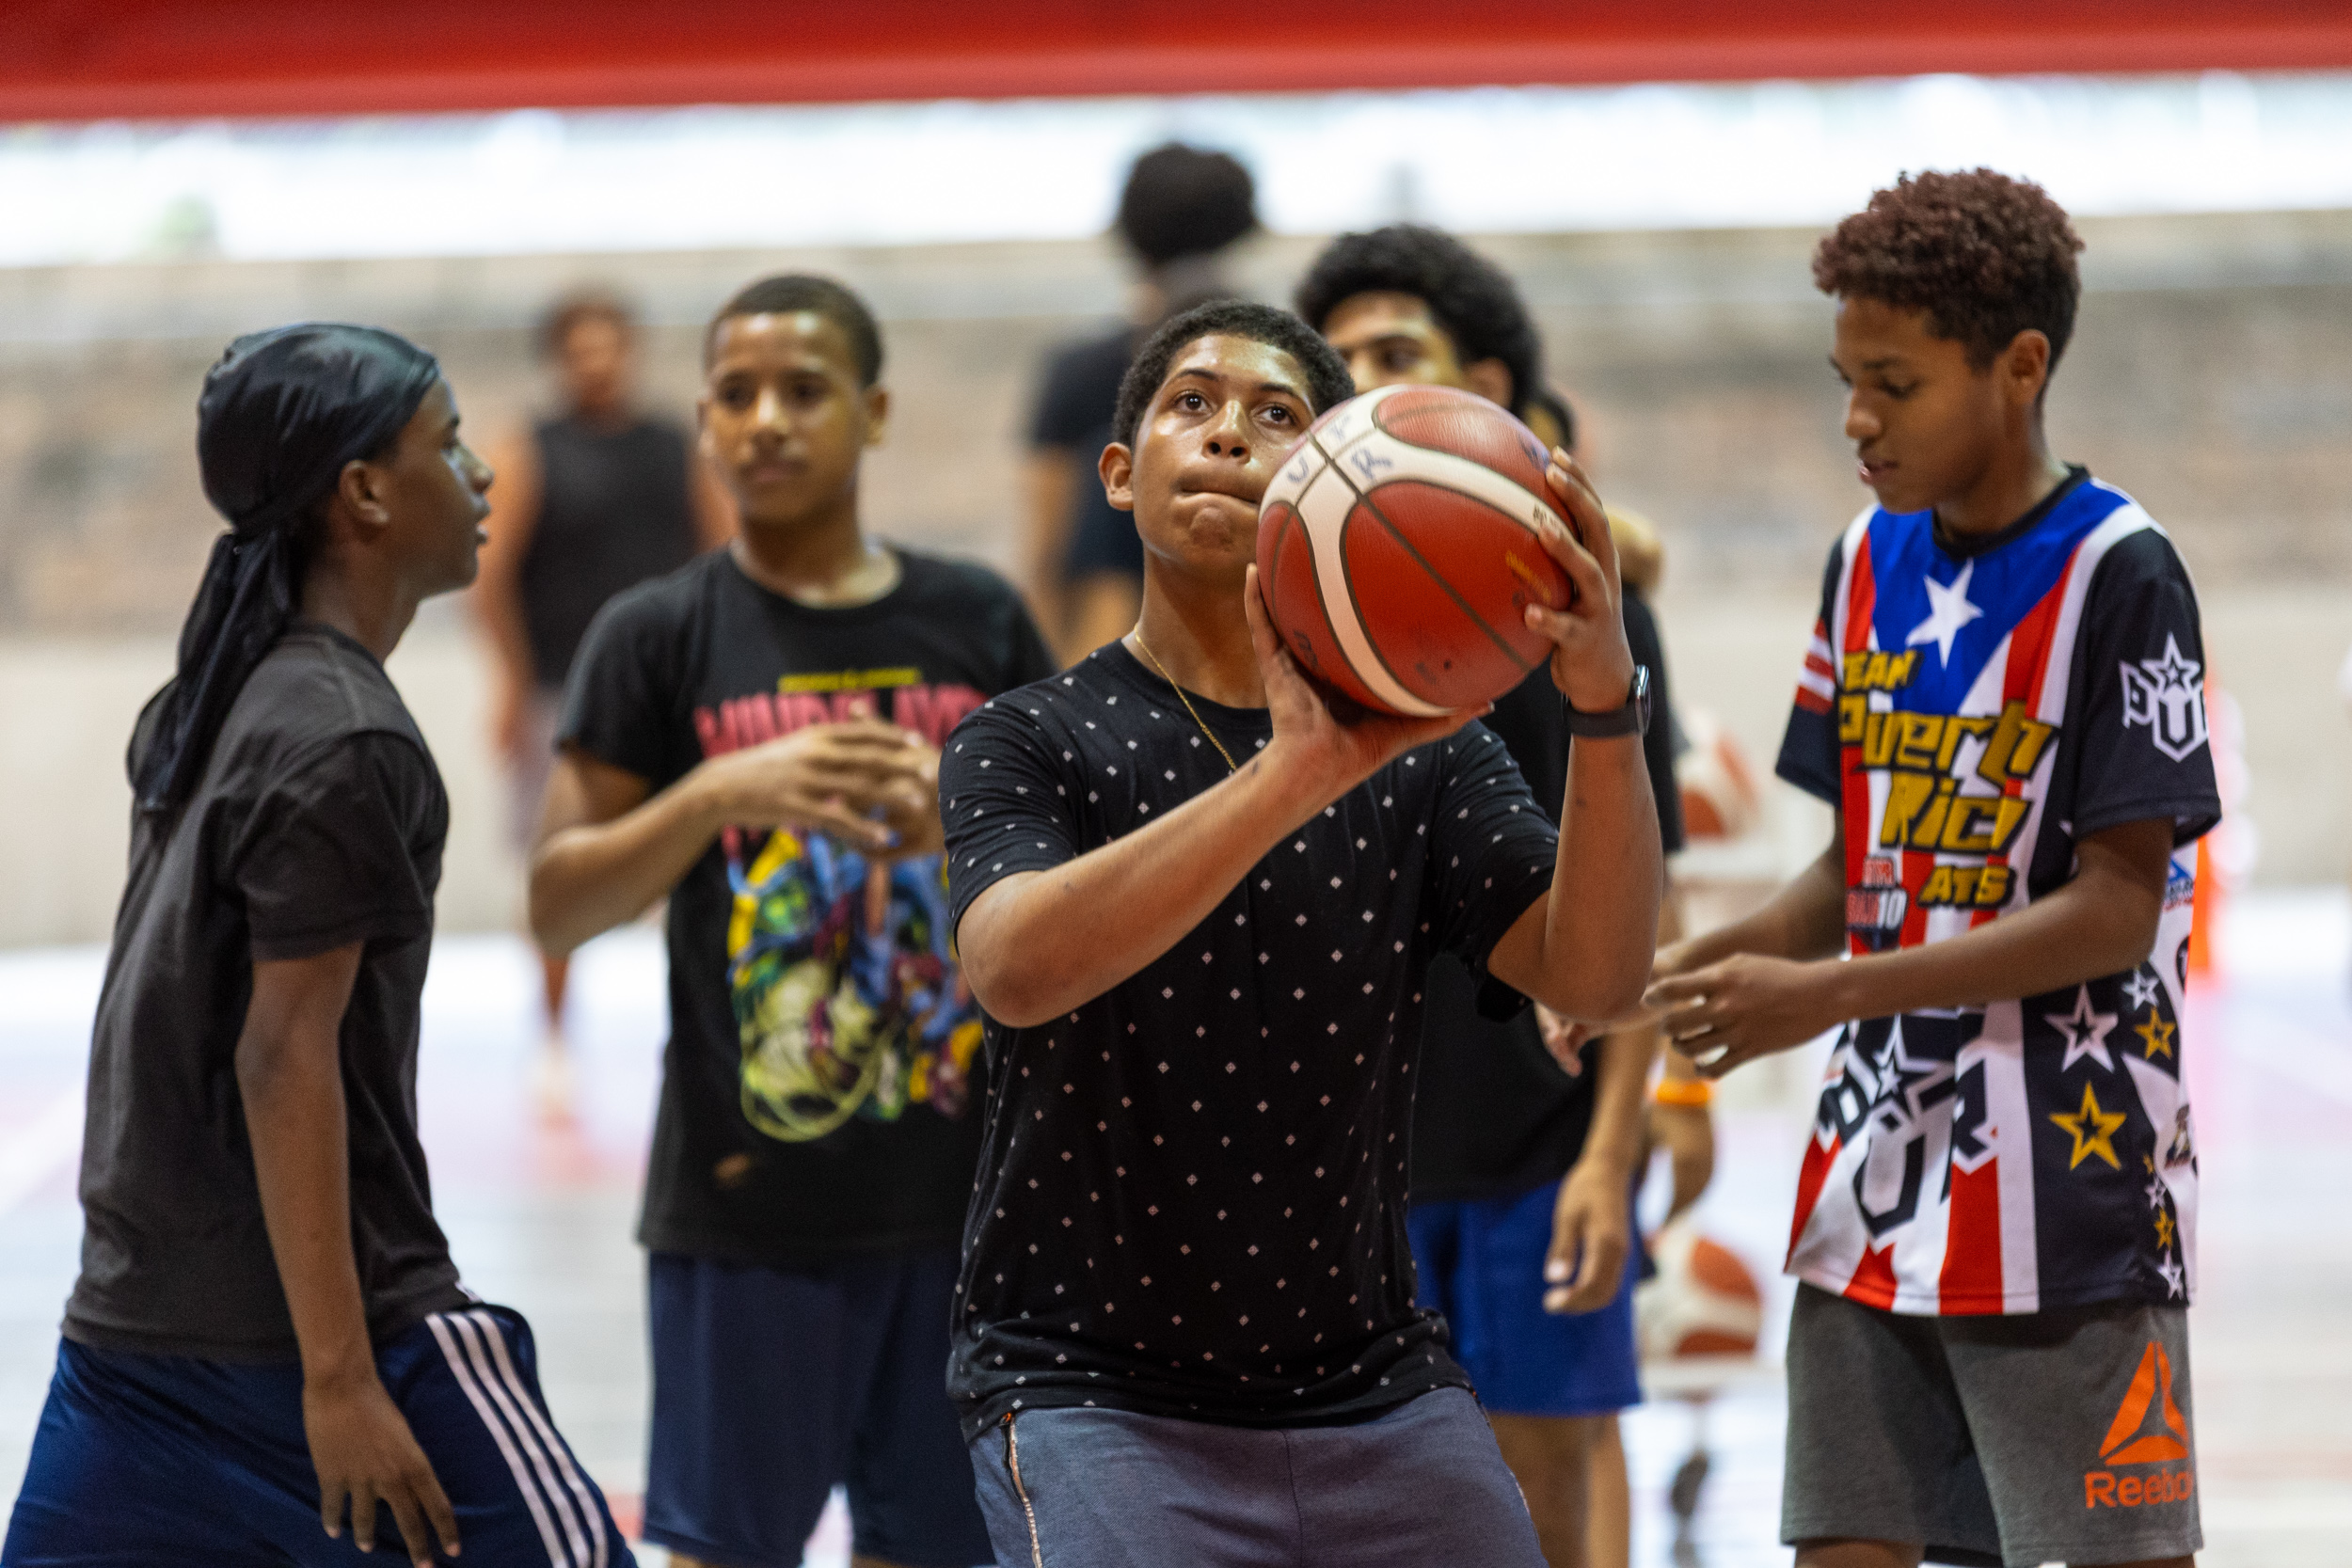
(2147, 1430)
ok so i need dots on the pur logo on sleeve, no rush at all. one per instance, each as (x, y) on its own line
(2147, 1430)
(2168, 695)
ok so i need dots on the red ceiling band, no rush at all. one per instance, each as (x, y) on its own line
(79, 60)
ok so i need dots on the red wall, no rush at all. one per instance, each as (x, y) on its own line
(84, 59)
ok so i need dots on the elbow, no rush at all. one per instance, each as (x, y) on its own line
(552, 930)
(1008, 992)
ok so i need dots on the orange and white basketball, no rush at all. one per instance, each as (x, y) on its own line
(1397, 550)
(1704, 1301)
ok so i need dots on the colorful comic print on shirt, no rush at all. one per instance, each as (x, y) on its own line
(847, 996)
(848, 1001)
(1970, 720)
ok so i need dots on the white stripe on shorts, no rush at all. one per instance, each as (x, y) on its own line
(562, 1455)
(510, 1404)
(442, 1333)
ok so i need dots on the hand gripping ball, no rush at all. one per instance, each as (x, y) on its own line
(1397, 550)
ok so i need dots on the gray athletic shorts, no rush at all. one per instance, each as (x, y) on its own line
(1094, 1488)
(2059, 1436)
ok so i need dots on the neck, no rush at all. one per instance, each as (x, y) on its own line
(1196, 627)
(601, 416)
(2010, 486)
(373, 613)
(824, 559)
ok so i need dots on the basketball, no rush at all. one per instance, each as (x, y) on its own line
(1704, 1301)
(1397, 550)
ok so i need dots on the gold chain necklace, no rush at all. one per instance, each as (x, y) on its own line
(1137, 635)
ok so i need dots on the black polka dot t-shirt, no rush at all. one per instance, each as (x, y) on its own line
(1191, 1196)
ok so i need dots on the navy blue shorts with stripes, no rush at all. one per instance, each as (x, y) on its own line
(143, 1460)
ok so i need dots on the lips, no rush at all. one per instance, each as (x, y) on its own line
(1874, 470)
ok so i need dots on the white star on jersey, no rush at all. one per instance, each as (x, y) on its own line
(2141, 986)
(1948, 610)
(2086, 1032)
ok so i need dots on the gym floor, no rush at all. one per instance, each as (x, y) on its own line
(540, 1216)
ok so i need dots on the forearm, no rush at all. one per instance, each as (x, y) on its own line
(1621, 1084)
(292, 1091)
(590, 877)
(1601, 918)
(1133, 898)
(2080, 931)
(1805, 919)
(502, 620)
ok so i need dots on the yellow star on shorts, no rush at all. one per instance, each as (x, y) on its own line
(2093, 1129)
(2164, 1230)
(2156, 1033)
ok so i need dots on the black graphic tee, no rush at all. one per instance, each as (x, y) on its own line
(318, 822)
(814, 1092)
(1191, 1199)
(1495, 1115)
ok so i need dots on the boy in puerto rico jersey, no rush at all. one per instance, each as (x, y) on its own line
(1995, 1222)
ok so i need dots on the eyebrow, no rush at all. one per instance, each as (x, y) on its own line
(1204, 374)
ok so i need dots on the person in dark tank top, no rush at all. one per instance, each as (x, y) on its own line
(591, 500)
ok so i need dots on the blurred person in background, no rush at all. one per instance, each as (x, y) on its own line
(1523, 1162)
(1182, 210)
(597, 497)
(268, 1341)
(755, 737)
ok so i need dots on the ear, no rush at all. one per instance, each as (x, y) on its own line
(2025, 366)
(877, 414)
(1490, 379)
(1117, 466)
(361, 496)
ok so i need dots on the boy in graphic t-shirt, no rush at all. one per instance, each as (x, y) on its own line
(1997, 1217)
(757, 737)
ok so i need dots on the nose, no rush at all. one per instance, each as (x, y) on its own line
(768, 413)
(1361, 370)
(1229, 436)
(1862, 424)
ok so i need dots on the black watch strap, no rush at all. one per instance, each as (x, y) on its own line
(1632, 719)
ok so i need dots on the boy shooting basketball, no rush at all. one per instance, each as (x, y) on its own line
(757, 738)
(268, 1343)
(1198, 910)
(1989, 1356)
(1517, 1167)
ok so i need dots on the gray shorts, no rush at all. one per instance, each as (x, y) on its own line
(1094, 1488)
(2059, 1436)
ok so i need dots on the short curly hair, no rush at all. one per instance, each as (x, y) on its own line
(1473, 302)
(788, 293)
(1328, 381)
(1985, 256)
(1181, 201)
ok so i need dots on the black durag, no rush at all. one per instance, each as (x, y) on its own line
(279, 416)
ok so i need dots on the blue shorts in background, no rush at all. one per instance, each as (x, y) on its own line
(773, 1385)
(162, 1461)
(1481, 1263)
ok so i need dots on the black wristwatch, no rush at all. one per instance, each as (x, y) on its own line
(1632, 719)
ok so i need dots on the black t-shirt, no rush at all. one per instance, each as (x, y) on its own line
(1191, 1199)
(318, 821)
(1494, 1114)
(814, 1093)
(615, 509)
(1075, 406)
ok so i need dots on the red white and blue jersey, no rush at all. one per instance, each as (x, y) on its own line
(1972, 718)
